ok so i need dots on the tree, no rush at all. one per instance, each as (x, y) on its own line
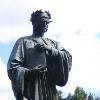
(90, 97)
(70, 97)
(79, 94)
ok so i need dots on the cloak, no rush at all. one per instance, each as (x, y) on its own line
(23, 57)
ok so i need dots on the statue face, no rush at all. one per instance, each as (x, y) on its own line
(42, 24)
(44, 17)
(44, 21)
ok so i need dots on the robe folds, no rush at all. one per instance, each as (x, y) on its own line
(42, 86)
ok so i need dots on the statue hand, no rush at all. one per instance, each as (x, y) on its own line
(37, 70)
(43, 69)
(40, 47)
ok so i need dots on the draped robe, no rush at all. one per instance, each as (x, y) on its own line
(42, 86)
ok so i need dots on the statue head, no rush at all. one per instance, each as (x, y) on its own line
(40, 21)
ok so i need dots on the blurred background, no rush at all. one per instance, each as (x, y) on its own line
(76, 25)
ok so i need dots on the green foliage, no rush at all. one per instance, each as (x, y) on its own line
(90, 97)
(70, 97)
(80, 94)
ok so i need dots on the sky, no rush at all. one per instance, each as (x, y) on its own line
(76, 25)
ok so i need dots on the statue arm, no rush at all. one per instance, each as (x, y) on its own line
(15, 65)
(64, 63)
(62, 60)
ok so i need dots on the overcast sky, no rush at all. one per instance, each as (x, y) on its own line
(76, 25)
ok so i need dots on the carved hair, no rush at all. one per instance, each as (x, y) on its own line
(36, 15)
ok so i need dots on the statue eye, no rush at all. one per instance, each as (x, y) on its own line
(44, 22)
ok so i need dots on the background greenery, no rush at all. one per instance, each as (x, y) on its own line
(79, 94)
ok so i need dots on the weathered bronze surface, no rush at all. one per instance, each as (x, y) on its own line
(37, 64)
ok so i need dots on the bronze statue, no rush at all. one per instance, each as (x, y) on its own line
(37, 64)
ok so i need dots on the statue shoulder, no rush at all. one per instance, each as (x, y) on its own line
(24, 38)
(51, 40)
